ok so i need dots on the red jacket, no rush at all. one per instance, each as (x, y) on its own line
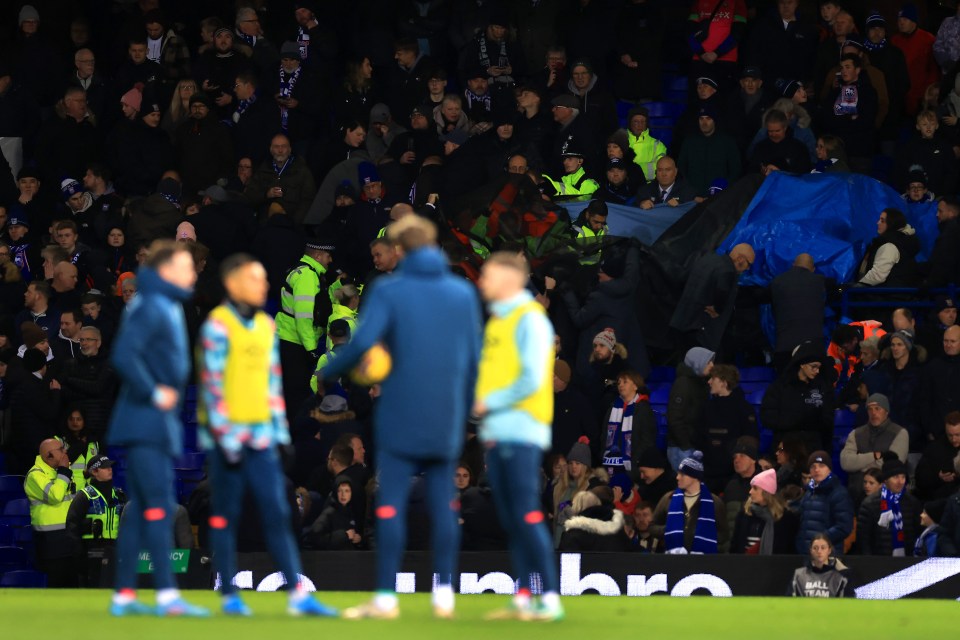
(921, 65)
(725, 30)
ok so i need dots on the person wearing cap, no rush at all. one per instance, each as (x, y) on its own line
(921, 159)
(217, 69)
(826, 506)
(942, 316)
(943, 266)
(24, 252)
(764, 525)
(50, 490)
(654, 475)
(478, 102)
(282, 177)
(535, 126)
(93, 520)
(138, 150)
(892, 63)
(917, 47)
(902, 361)
(708, 95)
(647, 150)
(242, 410)
(940, 383)
(888, 523)
(136, 70)
(691, 519)
(35, 401)
(866, 445)
(295, 89)
(748, 105)
(709, 154)
(304, 308)
(842, 28)
(424, 401)
(800, 402)
(407, 79)
(616, 187)
(338, 334)
(927, 542)
(571, 129)
(574, 182)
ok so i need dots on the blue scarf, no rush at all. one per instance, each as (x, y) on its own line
(250, 40)
(174, 200)
(870, 46)
(303, 42)
(619, 444)
(705, 535)
(242, 107)
(890, 503)
(287, 84)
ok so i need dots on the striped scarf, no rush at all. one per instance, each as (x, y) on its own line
(619, 447)
(892, 518)
(705, 535)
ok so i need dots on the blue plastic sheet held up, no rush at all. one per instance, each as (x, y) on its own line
(646, 225)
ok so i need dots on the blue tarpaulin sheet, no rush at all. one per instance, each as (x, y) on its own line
(646, 225)
(833, 217)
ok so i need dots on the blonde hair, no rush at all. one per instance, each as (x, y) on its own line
(563, 484)
(583, 501)
(177, 110)
(776, 505)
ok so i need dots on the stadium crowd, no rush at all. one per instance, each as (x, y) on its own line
(298, 131)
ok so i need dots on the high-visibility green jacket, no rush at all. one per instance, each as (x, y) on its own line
(50, 494)
(647, 150)
(295, 320)
(573, 184)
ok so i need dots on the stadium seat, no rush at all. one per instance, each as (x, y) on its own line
(191, 460)
(11, 488)
(670, 110)
(23, 537)
(7, 535)
(23, 579)
(844, 419)
(661, 396)
(623, 108)
(13, 559)
(756, 397)
(757, 374)
(753, 387)
(663, 134)
(18, 507)
(675, 83)
(662, 374)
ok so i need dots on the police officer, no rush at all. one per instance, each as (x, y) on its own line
(50, 490)
(574, 181)
(339, 335)
(301, 320)
(94, 517)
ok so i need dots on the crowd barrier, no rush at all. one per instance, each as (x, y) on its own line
(612, 574)
(873, 298)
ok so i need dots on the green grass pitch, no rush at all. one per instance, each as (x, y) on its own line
(27, 613)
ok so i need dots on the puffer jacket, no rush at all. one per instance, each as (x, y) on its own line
(825, 508)
(874, 540)
(891, 260)
(598, 528)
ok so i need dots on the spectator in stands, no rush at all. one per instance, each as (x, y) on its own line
(798, 119)
(744, 468)
(34, 408)
(709, 96)
(179, 109)
(725, 419)
(791, 458)
(866, 445)
(831, 155)
(70, 141)
(936, 476)
(49, 488)
(596, 104)
(66, 344)
(572, 129)
(851, 109)
(871, 74)
(917, 47)
(407, 80)
(282, 178)
(928, 540)
(785, 44)
(202, 146)
(943, 266)
(707, 302)
(691, 519)
(90, 382)
(946, 48)
(940, 384)
(798, 296)
(826, 506)
(631, 426)
(764, 525)
(800, 402)
(823, 576)
(580, 476)
(36, 302)
(709, 154)
(890, 60)
(888, 522)
(942, 316)
(917, 191)
(85, 76)
(715, 32)
(335, 529)
(617, 187)
(593, 527)
(688, 398)
(571, 416)
(929, 155)
(890, 260)
(780, 150)
(655, 475)
(608, 360)
(903, 363)
(667, 188)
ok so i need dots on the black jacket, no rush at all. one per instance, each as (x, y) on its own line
(943, 267)
(874, 540)
(713, 281)
(688, 396)
(939, 393)
(138, 155)
(725, 419)
(34, 409)
(787, 155)
(666, 483)
(598, 528)
(90, 383)
(937, 457)
(791, 406)
(204, 152)
(798, 305)
(252, 132)
(749, 528)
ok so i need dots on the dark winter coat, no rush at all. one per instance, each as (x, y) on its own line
(827, 508)
(798, 305)
(34, 409)
(782, 52)
(155, 317)
(598, 528)
(296, 181)
(904, 394)
(155, 217)
(204, 152)
(791, 406)
(422, 375)
(66, 147)
(329, 531)
(748, 529)
(943, 267)
(939, 393)
(138, 155)
(481, 524)
(666, 483)
(858, 133)
(874, 540)
(937, 457)
(790, 154)
(251, 134)
(90, 383)
(725, 419)
(688, 396)
(713, 281)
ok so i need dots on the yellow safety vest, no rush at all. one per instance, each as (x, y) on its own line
(574, 184)
(647, 150)
(79, 465)
(246, 375)
(50, 495)
(500, 364)
(100, 509)
(586, 238)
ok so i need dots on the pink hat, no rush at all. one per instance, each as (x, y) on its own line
(132, 99)
(766, 480)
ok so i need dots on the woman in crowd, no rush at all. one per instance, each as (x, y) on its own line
(81, 445)
(357, 95)
(791, 460)
(463, 478)
(726, 417)
(765, 526)
(631, 425)
(890, 259)
(119, 257)
(179, 105)
(352, 135)
(831, 155)
(823, 576)
(335, 529)
(580, 476)
(594, 526)
(872, 481)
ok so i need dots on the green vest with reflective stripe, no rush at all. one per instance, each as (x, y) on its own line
(79, 465)
(574, 184)
(50, 495)
(647, 150)
(297, 300)
(586, 239)
(99, 509)
(341, 312)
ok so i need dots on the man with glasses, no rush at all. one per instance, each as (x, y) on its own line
(249, 32)
(86, 77)
(707, 302)
(89, 382)
(50, 490)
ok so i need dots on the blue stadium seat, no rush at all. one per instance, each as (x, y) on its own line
(18, 507)
(662, 374)
(660, 397)
(7, 535)
(675, 83)
(753, 387)
(663, 134)
(190, 461)
(13, 559)
(11, 488)
(23, 579)
(3, 463)
(844, 419)
(623, 108)
(756, 397)
(662, 123)
(670, 110)
(23, 537)
(766, 440)
(757, 374)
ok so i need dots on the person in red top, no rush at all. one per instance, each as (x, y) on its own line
(917, 47)
(716, 28)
